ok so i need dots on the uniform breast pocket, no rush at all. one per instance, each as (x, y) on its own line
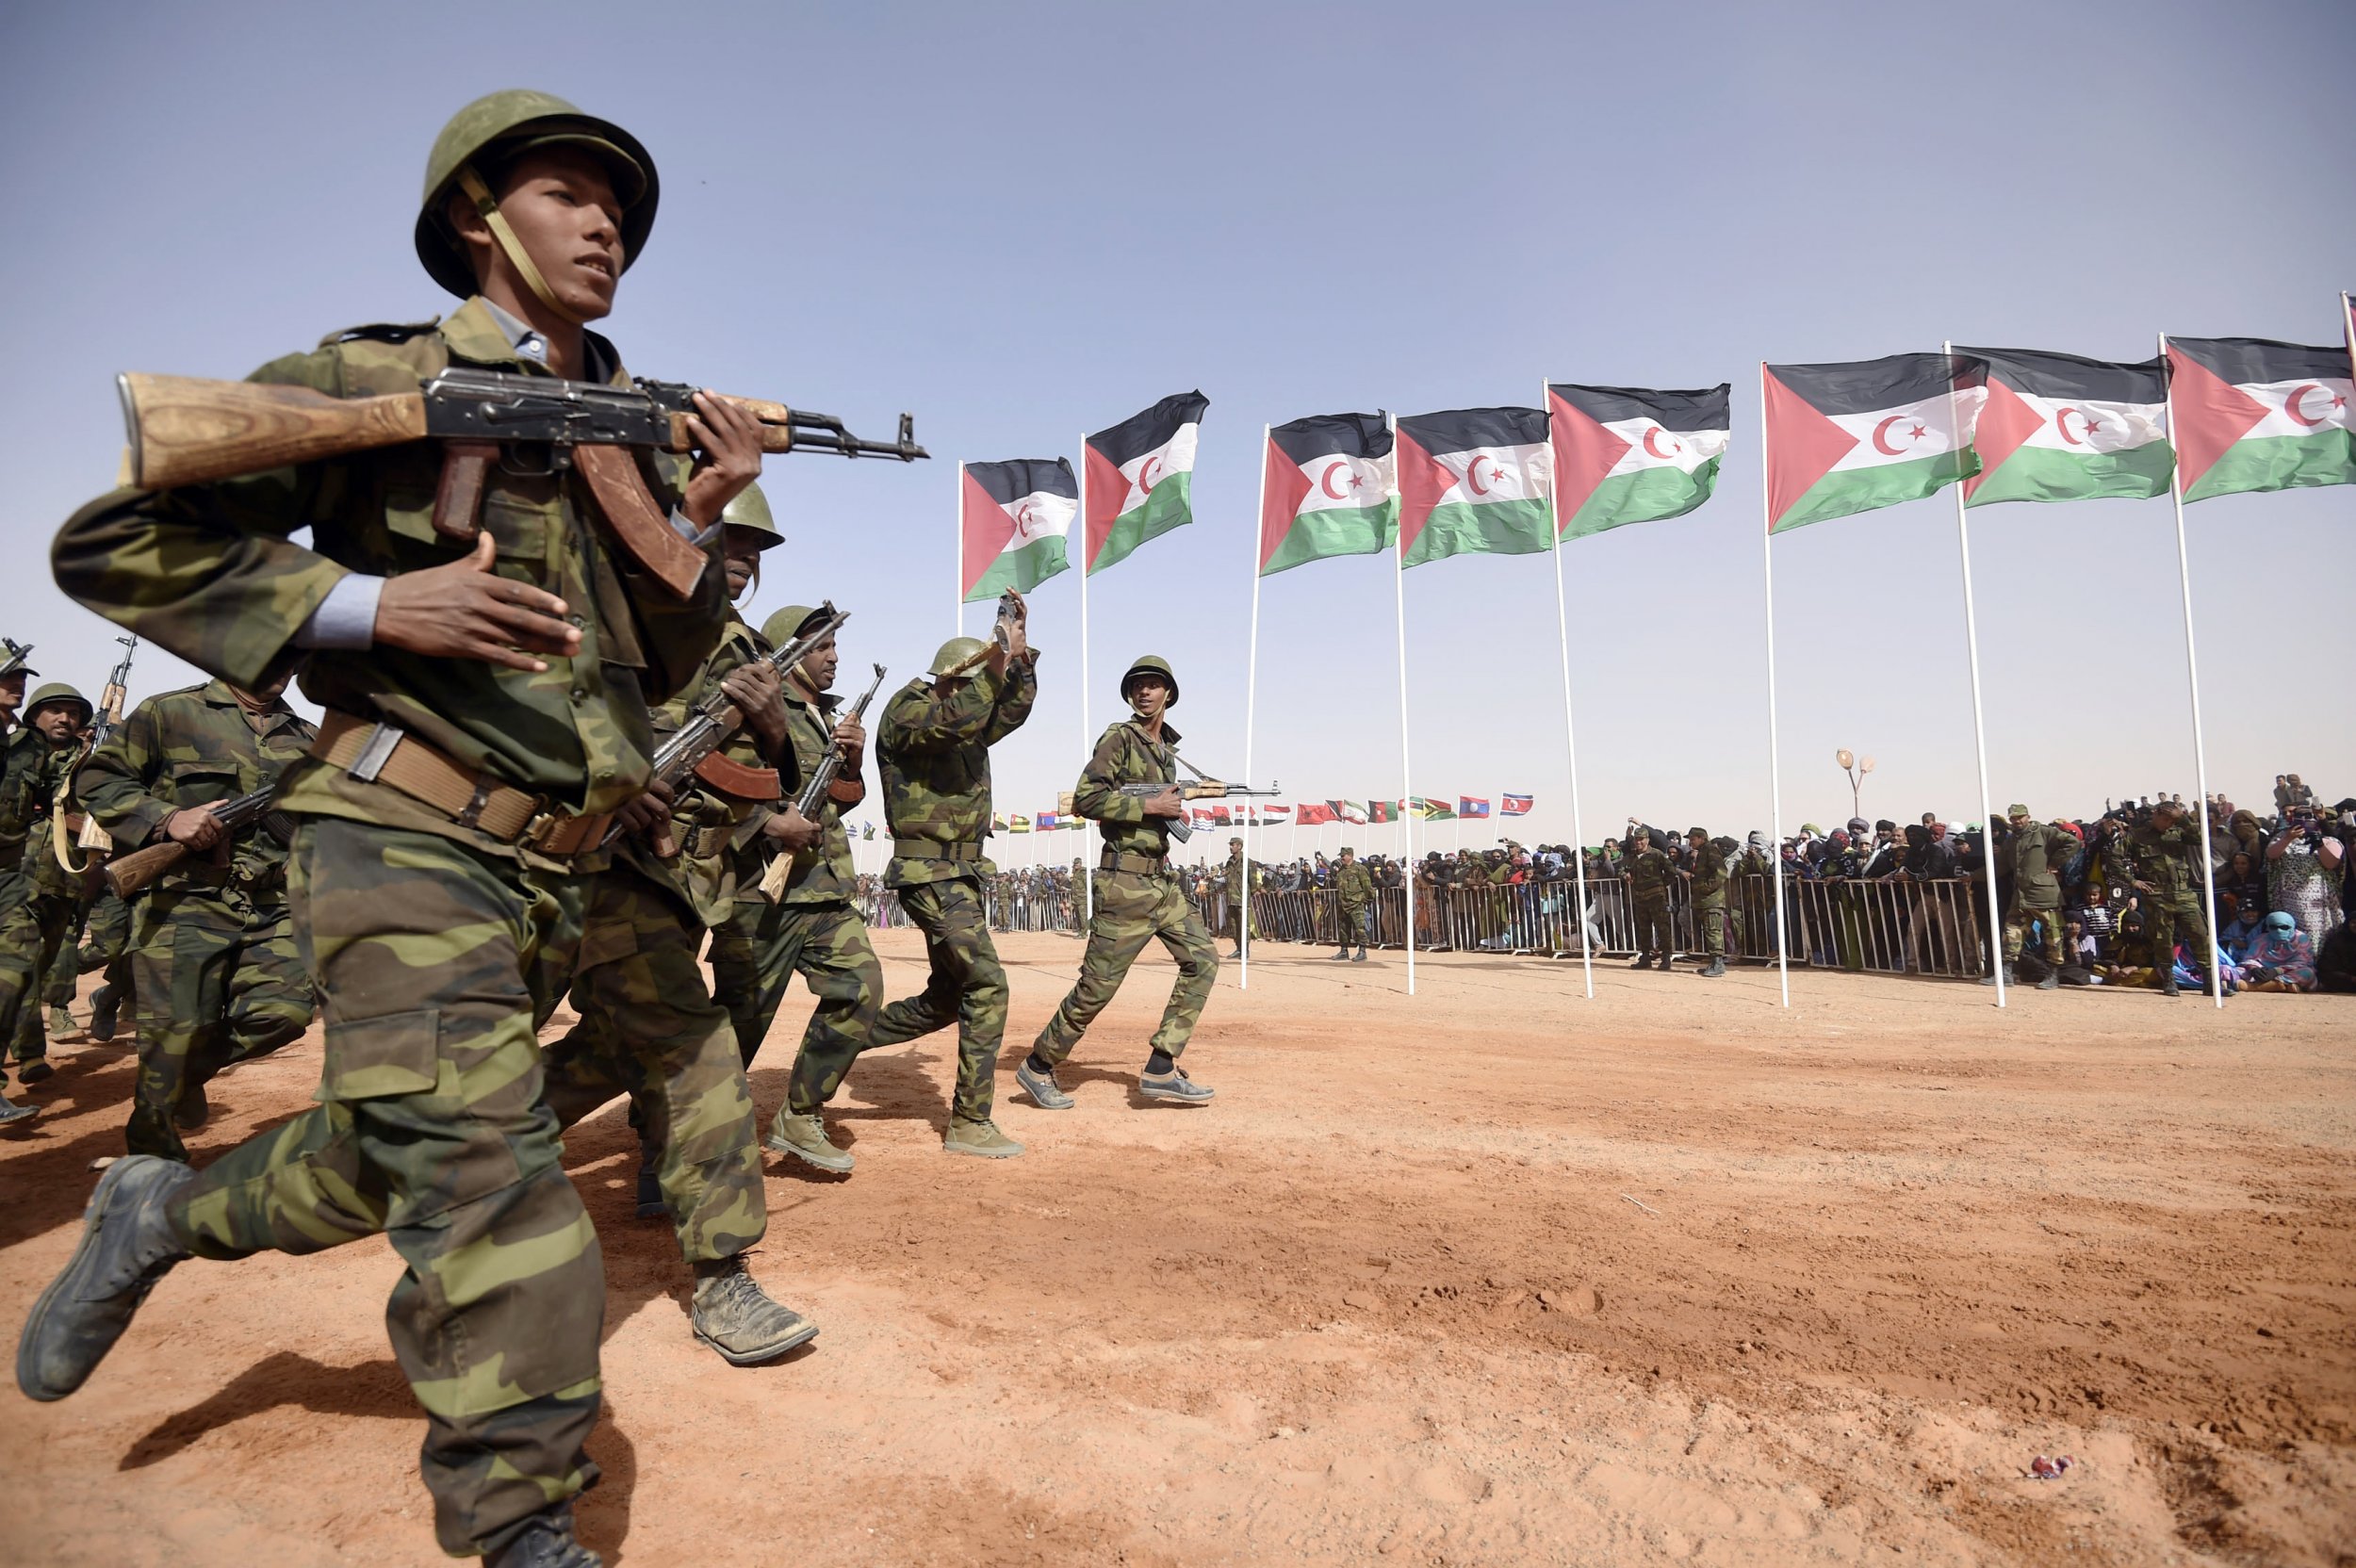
(199, 781)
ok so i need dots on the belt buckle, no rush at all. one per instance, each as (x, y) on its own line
(375, 752)
(540, 825)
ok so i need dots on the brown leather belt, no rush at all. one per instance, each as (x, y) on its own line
(1148, 865)
(388, 755)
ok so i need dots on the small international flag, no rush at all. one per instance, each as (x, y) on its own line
(1472, 806)
(1018, 824)
(1313, 813)
(1518, 805)
(997, 822)
(1048, 821)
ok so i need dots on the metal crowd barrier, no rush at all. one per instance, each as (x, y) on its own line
(1894, 928)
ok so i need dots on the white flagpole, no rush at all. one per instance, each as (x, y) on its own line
(1088, 739)
(1251, 701)
(956, 551)
(1406, 768)
(2192, 683)
(1979, 730)
(1570, 736)
(1775, 761)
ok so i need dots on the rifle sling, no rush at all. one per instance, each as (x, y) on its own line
(643, 530)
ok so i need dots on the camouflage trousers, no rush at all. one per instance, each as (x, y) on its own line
(1354, 923)
(106, 936)
(649, 1029)
(432, 964)
(761, 947)
(34, 927)
(218, 981)
(1133, 907)
(1711, 919)
(2170, 920)
(1652, 926)
(967, 986)
(2018, 918)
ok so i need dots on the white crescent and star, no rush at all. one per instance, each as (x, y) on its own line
(1676, 446)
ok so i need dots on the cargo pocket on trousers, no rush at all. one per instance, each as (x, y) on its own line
(369, 1058)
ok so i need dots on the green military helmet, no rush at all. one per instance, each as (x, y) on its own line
(57, 691)
(511, 122)
(788, 623)
(1152, 663)
(13, 661)
(955, 652)
(750, 511)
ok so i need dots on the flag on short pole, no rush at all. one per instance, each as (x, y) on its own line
(1314, 813)
(1632, 454)
(1867, 433)
(1474, 481)
(1141, 477)
(1272, 816)
(1018, 823)
(1382, 811)
(1328, 491)
(1472, 806)
(1048, 821)
(1349, 811)
(2256, 415)
(997, 822)
(1517, 806)
(2058, 428)
(1431, 810)
(1013, 518)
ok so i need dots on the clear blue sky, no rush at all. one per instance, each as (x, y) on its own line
(1026, 221)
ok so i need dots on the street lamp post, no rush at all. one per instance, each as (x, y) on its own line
(1857, 768)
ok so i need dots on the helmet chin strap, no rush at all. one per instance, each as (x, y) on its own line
(485, 204)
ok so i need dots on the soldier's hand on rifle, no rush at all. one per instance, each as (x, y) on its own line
(1019, 629)
(793, 830)
(1168, 804)
(759, 692)
(649, 813)
(466, 611)
(850, 739)
(728, 457)
(194, 826)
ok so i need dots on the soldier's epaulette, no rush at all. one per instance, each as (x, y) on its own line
(382, 332)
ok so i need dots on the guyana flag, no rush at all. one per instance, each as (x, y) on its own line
(1011, 522)
(1627, 454)
(1327, 489)
(1474, 481)
(1873, 433)
(1140, 477)
(2255, 414)
(1431, 810)
(2058, 427)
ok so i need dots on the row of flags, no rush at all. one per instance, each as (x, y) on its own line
(1307, 813)
(2008, 424)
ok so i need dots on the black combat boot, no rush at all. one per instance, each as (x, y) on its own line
(127, 1246)
(546, 1541)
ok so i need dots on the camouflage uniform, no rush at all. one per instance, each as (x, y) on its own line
(214, 966)
(38, 898)
(435, 945)
(2037, 852)
(1709, 891)
(933, 754)
(1353, 904)
(2163, 857)
(1647, 872)
(1138, 897)
(1238, 896)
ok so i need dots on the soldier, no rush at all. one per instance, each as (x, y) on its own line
(1706, 884)
(933, 751)
(218, 979)
(486, 724)
(1238, 893)
(2169, 880)
(45, 896)
(2036, 853)
(811, 927)
(22, 753)
(1647, 870)
(1138, 897)
(106, 947)
(1754, 889)
(1353, 904)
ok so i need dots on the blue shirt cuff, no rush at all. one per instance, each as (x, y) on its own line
(346, 619)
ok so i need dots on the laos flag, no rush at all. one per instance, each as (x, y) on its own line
(1468, 806)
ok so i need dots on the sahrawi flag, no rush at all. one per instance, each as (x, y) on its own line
(1011, 519)
(1472, 481)
(1625, 454)
(1851, 438)
(1327, 490)
(1140, 478)
(2255, 414)
(2058, 427)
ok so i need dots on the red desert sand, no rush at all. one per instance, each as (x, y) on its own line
(1491, 1275)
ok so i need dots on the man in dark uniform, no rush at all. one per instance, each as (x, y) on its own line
(1648, 870)
(1353, 904)
(2169, 880)
(1705, 882)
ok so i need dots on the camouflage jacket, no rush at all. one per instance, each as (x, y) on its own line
(1647, 873)
(1126, 755)
(824, 874)
(1234, 874)
(2036, 853)
(722, 851)
(27, 792)
(2164, 859)
(1709, 885)
(191, 747)
(1352, 887)
(210, 572)
(933, 754)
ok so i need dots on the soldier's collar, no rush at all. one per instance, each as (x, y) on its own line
(1170, 736)
(480, 332)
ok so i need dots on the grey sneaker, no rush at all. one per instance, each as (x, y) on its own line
(61, 1024)
(1717, 967)
(13, 1111)
(546, 1541)
(125, 1247)
(1044, 1091)
(980, 1139)
(1175, 1085)
(734, 1316)
(805, 1138)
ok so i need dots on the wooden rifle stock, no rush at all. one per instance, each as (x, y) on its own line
(189, 430)
(129, 873)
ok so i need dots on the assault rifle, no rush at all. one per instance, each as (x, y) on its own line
(812, 799)
(188, 431)
(92, 839)
(129, 873)
(694, 747)
(1204, 788)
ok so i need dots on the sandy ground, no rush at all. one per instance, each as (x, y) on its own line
(1493, 1275)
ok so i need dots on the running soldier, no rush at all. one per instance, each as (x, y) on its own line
(486, 721)
(1707, 884)
(43, 898)
(933, 752)
(1353, 904)
(215, 975)
(1137, 899)
(23, 752)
